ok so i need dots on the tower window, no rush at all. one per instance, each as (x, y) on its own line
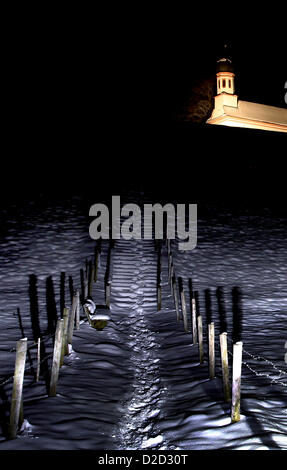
(223, 83)
(218, 83)
(229, 83)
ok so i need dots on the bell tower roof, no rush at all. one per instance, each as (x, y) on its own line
(224, 62)
(224, 65)
(225, 73)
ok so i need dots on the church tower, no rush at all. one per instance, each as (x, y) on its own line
(225, 85)
(228, 110)
(225, 76)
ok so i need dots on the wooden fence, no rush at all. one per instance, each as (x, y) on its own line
(231, 392)
(63, 338)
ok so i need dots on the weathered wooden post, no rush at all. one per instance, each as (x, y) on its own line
(72, 320)
(71, 287)
(197, 304)
(66, 318)
(194, 325)
(96, 264)
(65, 334)
(170, 267)
(91, 278)
(77, 310)
(224, 365)
(179, 283)
(175, 298)
(62, 293)
(86, 269)
(108, 293)
(108, 275)
(184, 312)
(21, 352)
(200, 339)
(56, 358)
(236, 381)
(183, 304)
(82, 282)
(211, 350)
(171, 275)
(108, 265)
(21, 414)
(168, 246)
(210, 333)
(193, 312)
(38, 359)
(86, 289)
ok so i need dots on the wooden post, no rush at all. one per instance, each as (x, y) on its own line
(91, 278)
(200, 339)
(108, 273)
(168, 246)
(86, 288)
(71, 287)
(86, 269)
(192, 311)
(96, 262)
(65, 333)
(236, 381)
(66, 318)
(211, 351)
(82, 282)
(38, 359)
(171, 275)
(72, 320)
(21, 352)
(56, 358)
(175, 298)
(170, 267)
(193, 321)
(184, 311)
(224, 365)
(77, 310)
(21, 414)
(108, 294)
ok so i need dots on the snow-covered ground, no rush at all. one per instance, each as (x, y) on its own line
(138, 383)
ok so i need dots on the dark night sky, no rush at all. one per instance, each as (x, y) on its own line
(136, 70)
(82, 95)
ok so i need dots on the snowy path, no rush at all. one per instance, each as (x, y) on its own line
(134, 290)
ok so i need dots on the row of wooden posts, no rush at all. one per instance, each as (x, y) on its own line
(230, 394)
(63, 338)
(91, 274)
(62, 343)
(71, 320)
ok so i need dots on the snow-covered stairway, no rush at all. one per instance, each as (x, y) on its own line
(134, 292)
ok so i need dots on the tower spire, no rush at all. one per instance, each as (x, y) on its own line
(225, 73)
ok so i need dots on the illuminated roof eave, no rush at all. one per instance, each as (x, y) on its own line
(232, 121)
